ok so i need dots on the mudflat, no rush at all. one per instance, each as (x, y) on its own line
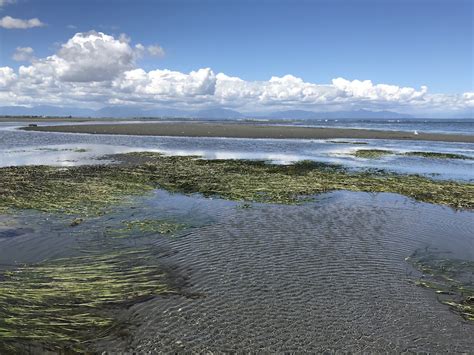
(233, 130)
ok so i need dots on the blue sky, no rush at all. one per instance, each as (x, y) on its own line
(408, 43)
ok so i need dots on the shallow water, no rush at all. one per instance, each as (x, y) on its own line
(329, 274)
(325, 275)
(456, 126)
(29, 148)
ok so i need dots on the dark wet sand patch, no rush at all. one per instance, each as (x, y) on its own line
(232, 130)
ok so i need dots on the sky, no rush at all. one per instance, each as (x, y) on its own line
(411, 56)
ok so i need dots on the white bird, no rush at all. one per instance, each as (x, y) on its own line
(415, 133)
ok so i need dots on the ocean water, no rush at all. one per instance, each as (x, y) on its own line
(455, 126)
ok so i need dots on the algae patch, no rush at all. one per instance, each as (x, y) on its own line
(65, 303)
(451, 279)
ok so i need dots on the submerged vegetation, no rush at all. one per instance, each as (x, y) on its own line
(371, 153)
(147, 226)
(438, 155)
(89, 189)
(63, 303)
(379, 153)
(81, 190)
(451, 279)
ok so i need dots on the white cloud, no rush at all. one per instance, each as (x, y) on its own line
(9, 22)
(86, 57)
(6, 2)
(94, 69)
(93, 56)
(7, 77)
(23, 54)
(156, 51)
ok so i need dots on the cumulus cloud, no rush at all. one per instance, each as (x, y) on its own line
(86, 57)
(96, 69)
(9, 22)
(7, 77)
(23, 54)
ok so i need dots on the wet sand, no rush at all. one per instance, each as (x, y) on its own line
(232, 130)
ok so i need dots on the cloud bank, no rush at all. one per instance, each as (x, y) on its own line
(94, 69)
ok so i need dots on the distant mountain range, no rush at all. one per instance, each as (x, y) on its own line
(212, 114)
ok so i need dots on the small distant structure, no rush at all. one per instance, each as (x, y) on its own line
(415, 133)
(32, 125)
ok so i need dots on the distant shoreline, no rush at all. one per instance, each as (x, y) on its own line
(232, 130)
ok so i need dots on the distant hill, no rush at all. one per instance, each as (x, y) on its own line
(361, 114)
(218, 113)
(45, 111)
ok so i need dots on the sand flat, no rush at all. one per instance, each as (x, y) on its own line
(233, 130)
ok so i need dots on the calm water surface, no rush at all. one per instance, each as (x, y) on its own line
(327, 275)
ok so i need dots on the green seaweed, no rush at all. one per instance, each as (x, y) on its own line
(65, 303)
(451, 279)
(84, 190)
(435, 155)
(371, 153)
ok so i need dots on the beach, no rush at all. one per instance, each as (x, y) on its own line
(233, 130)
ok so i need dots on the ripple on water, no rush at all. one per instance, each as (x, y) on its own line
(325, 275)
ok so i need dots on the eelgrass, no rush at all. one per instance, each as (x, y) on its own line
(451, 279)
(146, 227)
(63, 304)
(81, 190)
(379, 153)
(435, 155)
(371, 153)
(89, 189)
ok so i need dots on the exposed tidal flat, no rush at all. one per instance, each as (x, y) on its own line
(232, 130)
(149, 252)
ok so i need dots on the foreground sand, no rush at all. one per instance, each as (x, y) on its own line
(232, 130)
